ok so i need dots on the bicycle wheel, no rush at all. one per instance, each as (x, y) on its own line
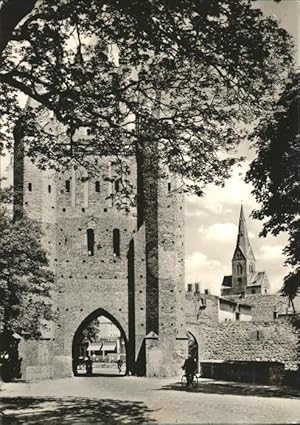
(184, 381)
(195, 381)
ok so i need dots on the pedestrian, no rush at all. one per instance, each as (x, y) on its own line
(120, 364)
(89, 366)
(189, 367)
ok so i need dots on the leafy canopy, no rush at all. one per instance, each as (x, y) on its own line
(275, 177)
(187, 76)
(25, 279)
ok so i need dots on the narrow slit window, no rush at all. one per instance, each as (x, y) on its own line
(116, 242)
(169, 187)
(117, 185)
(49, 188)
(90, 241)
(68, 185)
(29, 187)
(97, 187)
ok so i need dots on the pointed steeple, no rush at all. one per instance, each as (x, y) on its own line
(243, 238)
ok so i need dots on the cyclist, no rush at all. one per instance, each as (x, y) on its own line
(189, 367)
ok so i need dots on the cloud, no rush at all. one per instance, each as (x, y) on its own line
(270, 252)
(226, 200)
(220, 232)
(199, 268)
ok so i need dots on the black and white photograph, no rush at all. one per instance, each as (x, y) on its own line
(149, 212)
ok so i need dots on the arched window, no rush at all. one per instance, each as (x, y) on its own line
(97, 186)
(68, 185)
(239, 268)
(90, 241)
(116, 242)
(251, 268)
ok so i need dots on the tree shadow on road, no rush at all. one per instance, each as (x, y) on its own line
(67, 411)
(236, 388)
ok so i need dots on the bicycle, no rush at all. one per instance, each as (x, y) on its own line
(194, 380)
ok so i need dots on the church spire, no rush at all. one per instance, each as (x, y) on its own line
(243, 239)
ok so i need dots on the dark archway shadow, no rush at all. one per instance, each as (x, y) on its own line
(72, 411)
(77, 338)
(193, 348)
(102, 375)
(235, 388)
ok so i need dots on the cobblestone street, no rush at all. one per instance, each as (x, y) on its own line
(106, 400)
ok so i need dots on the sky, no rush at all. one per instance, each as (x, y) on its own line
(212, 221)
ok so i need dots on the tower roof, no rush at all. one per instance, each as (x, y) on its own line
(243, 239)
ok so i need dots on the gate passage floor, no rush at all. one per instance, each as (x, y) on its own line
(132, 400)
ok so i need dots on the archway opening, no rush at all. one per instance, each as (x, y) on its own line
(100, 347)
(193, 348)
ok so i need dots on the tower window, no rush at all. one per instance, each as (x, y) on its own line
(169, 187)
(116, 242)
(90, 241)
(49, 188)
(97, 186)
(30, 187)
(239, 269)
(251, 268)
(117, 185)
(68, 185)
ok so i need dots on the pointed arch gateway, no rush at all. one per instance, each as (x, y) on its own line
(77, 339)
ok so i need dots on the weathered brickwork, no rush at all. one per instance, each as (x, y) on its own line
(138, 285)
(263, 338)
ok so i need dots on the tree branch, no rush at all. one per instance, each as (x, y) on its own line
(11, 14)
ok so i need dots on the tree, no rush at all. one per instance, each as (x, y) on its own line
(25, 279)
(275, 177)
(90, 332)
(189, 78)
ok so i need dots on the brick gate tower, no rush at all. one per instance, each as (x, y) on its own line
(106, 262)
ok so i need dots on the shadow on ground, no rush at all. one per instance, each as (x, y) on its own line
(236, 388)
(103, 375)
(67, 411)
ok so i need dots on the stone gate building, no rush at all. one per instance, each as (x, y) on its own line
(106, 262)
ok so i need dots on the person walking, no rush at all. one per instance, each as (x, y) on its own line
(89, 366)
(189, 367)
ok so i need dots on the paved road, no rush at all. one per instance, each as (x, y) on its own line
(129, 400)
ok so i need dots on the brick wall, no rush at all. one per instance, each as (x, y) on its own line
(277, 340)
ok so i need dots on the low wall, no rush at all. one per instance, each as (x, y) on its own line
(36, 359)
(264, 373)
(248, 341)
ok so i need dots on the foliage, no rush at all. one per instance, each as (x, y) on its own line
(275, 177)
(188, 77)
(91, 331)
(25, 279)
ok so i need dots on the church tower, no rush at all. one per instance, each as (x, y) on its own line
(243, 260)
(244, 279)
